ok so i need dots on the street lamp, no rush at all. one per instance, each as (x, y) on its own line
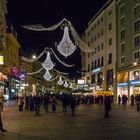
(135, 63)
(33, 56)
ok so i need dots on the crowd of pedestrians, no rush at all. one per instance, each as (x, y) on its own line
(50, 101)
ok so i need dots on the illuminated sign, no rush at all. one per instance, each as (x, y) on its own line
(122, 84)
(1, 60)
(81, 81)
(96, 70)
(135, 82)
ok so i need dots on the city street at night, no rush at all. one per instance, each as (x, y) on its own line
(88, 124)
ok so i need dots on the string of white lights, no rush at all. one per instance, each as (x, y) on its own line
(32, 73)
(60, 60)
(83, 46)
(33, 59)
(60, 71)
(39, 27)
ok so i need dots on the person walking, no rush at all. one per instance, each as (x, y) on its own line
(73, 105)
(119, 99)
(53, 102)
(37, 104)
(107, 103)
(1, 123)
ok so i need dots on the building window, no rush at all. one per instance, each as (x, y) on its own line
(102, 46)
(137, 25)
(136, 55)
(122, 60)
(122, 47)
(92, 53)
(88, 55)
(137, 10)
(122, 34)
(98, 22)
(95, 50)
(102, 32)
(88, 43)
(102, 19)
(98, 62)
(93, 78)
(137, 41)
(92, 65)
(122, 9)
(122, 21)
(110, 41)
(109, 26)
(110, 58)
(98, 48)
(95, 26)
(95, 37)
(102, 61)
(109, 13)
(88, 34)
(95, 64)
(92, 40)
(88, 67)
(99, 35)
(110, 76)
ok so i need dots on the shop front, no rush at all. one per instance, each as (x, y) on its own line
(134, 82)
(122, 84)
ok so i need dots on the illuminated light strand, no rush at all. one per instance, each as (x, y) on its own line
(33, 59)
(82, 45)
(32, 73)
(39, 27)
(60, 60)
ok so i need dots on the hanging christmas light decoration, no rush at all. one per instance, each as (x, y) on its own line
(66, 47)
(47, 75)
(71, 86)
(60, 82)
(48, 64)
(66, 84)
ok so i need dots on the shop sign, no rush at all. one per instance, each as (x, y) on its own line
(96, 70)
(122, 84)
(135, 82)
(1, 60)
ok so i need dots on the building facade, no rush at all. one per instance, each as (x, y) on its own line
(12, 63)
(128, 44)
(4, 71)
(26, 80)
(100, 35)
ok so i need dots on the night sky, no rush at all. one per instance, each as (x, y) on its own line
(48, 13)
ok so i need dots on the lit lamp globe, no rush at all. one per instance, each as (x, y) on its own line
(34, 56)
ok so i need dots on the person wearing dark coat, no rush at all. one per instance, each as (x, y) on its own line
(107, 103)
(53, 102)
(37, 103)
(46, 102)
(73, 105)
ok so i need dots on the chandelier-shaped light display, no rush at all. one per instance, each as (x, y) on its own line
(47, 75)
(60, 81)
(48, 64)
(66, 84)
(71, 86)
(66, 47)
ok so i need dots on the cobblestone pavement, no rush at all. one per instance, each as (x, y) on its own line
(88, 124)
